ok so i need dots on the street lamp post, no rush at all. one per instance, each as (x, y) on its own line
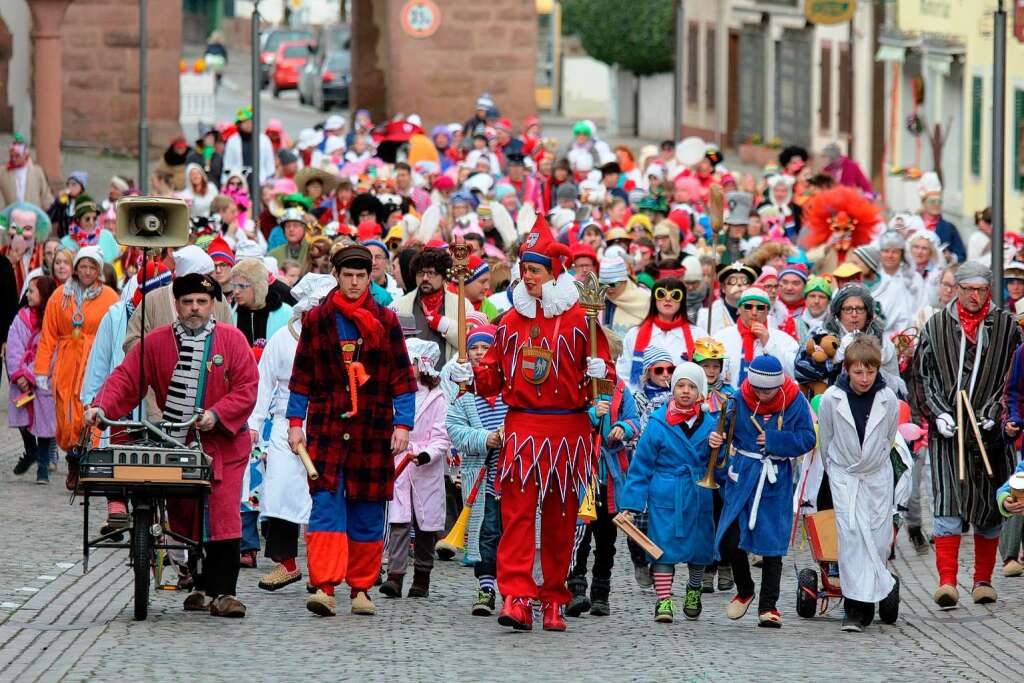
(143, 113)
(256, 136)
(998, 149)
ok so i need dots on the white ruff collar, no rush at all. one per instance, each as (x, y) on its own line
(557, 297)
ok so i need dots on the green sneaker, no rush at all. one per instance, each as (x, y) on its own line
(665, 611)
(691, 604)
(484, 606)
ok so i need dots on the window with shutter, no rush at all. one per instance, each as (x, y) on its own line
(693, 63)
(711, 80)
(825, 93)
(845, 91)
(977, 88)
(1018, 140)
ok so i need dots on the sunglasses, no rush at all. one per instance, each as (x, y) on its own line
(754, 307)
(660, 294)
(659, 370)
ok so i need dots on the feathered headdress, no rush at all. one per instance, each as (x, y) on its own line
(841, 215)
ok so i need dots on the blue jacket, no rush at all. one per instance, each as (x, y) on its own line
(662, 478)
(613, 460)
(1004, 491)
(793, 438)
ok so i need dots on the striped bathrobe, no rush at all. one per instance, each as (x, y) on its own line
(941, 374)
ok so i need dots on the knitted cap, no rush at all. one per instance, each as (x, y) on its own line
(654, 354)
(693, 373)
(870, 255)
(765, 372)
(613, 270)
(973, 273)
(754, 295)
(694, 269)
(482, 333)
(220, 251)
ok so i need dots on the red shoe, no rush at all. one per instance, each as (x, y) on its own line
(247, 560)
(553, 620)
(517, 613)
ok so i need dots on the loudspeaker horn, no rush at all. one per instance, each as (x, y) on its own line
(152, 222)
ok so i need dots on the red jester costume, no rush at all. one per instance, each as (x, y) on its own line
(540, 365)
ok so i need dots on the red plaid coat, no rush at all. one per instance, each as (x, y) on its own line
(359, 446)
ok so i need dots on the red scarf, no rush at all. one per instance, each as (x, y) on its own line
(643, 335)
(969, 322)
(748, 340)
(930, 221)
(676, 415)
(776, 404)
(789, 324)
(432, 302)
(369, 327)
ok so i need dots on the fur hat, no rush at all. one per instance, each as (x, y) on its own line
(256, 274)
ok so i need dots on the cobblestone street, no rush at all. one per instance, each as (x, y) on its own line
(56, 624)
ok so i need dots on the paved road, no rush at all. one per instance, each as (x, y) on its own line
(56, 624)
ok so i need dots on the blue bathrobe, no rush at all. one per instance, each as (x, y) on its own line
(663, 479)
(769, 536)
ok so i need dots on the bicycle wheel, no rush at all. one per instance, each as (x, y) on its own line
(141, 560)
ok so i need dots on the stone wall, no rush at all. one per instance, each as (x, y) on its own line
(101, 73)
(478, 47)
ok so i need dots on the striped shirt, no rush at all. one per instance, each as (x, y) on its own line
(491, 418)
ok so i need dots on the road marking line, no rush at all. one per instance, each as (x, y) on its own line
(28, 589)
(46, 577)
(65, 565)
(9, 605)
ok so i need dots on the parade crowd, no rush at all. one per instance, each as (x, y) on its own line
(645, 341)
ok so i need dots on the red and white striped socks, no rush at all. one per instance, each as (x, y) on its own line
(663, 584)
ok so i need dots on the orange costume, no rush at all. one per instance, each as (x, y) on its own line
(69, 328)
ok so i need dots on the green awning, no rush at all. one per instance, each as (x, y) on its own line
(890, 53)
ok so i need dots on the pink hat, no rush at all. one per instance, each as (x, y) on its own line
(285, 186)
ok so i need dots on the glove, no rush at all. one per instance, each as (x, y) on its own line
(440, 324)
(43, 382)
(462, 372)
(946, 425)
(988, 424)
(422, 459)
(596, 368)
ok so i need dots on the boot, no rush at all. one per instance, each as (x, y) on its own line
(725, 580)
(708, 582)
(985, 552)
(24, 462)
(420, 587)
(580, 603)
(918, 540)
(599, 591)
(392, 588)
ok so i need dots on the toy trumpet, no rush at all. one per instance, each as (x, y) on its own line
(456, 538)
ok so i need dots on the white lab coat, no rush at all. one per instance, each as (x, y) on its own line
(233, 158)
(285, 485)
(900, 296)
(861, 477)
(720, 318)
(780, 345)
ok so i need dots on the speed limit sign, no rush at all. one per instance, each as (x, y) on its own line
(420, 18)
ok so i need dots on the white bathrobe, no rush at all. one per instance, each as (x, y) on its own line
(861, 477)
(285, 486)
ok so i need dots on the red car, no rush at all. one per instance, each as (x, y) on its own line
(289, 61)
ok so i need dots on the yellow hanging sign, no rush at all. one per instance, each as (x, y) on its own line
(829, 11)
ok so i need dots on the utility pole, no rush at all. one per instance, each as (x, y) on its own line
(143, 112)
(998, 149)
(254, 182)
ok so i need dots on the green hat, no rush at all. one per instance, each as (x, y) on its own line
(818, 284)
(297, 198)
(85, 204)
(243, 114)
(582, 128)
(751, 294)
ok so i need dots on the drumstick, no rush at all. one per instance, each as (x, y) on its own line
(960, 436)
(977, 432)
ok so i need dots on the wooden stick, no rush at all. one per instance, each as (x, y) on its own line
(961, 461)
(977, 432)
(303, 455)
(638, 536)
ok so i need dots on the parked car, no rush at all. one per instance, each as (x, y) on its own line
(324, 83)
(289, 62)
(270, 41)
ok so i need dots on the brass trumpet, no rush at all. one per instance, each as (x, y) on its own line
(708, 481)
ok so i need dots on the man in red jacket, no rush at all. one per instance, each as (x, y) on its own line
(540, 363)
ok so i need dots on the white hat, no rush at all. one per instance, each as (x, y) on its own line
(335, 143)
(561, 218)
(191, 259)
(694, 269)
(929, 184)
(694, 373)
(248, 249)
(311, 290)
(334, 122)
(656, 171)
(92, 252)
(415, 120)
(423, 355)
(481, 182)
(309, 137)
